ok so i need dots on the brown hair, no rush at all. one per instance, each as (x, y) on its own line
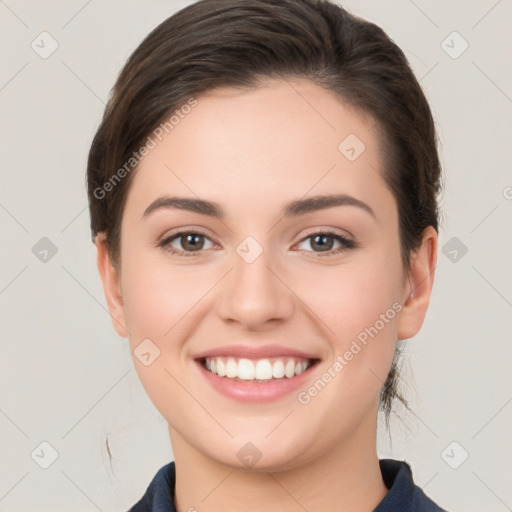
(239, 43)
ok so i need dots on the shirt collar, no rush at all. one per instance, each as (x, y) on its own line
(403, 494)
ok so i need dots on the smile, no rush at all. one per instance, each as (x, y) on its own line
(256, 373)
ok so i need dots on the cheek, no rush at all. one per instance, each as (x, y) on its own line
(351, 297)
(358, 305)
(158, 301)
(163, 303)
(157, 298)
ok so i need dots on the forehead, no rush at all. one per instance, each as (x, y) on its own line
(269, 145)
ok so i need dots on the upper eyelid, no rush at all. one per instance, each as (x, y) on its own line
(330, 231)
(187, 231)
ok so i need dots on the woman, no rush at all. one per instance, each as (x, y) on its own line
(263, 197)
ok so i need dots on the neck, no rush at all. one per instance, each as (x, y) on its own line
(344, 478)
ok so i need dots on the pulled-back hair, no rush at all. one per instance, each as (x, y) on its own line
(241, 43)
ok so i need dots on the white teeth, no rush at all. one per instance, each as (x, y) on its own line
(289, 369)
(278, 369)
(263, 369)
(259, 370)
(246, 369)
(221, 367)
(231, 368)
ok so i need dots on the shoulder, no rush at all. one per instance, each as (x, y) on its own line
(404, 495)
(159, 496)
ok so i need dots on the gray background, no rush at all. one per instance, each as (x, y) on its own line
(67, 378)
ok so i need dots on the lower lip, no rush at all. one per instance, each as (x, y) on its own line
(250, 391)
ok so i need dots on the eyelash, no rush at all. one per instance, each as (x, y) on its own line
(346, 243)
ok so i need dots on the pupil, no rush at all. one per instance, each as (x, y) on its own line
(191, 240)
(322, 245)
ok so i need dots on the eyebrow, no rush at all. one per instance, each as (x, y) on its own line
(292, 209)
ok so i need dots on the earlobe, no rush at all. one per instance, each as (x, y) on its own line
(420, 281)
(111, 286)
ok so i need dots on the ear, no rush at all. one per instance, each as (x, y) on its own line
(111, 286)
(419, 287)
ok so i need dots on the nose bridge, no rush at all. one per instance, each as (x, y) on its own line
(254, 294)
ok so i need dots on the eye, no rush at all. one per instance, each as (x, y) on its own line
(191, 242)
(325, 240)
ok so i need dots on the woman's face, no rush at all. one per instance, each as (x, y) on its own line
(261, 289)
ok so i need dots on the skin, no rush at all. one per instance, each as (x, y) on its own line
(252, 152)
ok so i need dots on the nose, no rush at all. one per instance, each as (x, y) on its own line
(255, 294)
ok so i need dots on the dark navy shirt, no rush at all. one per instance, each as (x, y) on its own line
(403, 496)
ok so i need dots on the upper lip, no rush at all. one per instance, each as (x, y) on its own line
(254, 352)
